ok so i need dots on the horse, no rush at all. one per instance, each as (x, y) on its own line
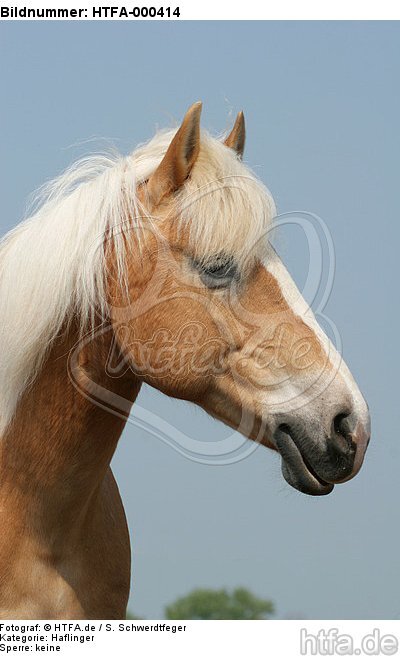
(119, 255)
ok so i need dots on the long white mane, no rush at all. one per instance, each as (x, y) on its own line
(52, 265)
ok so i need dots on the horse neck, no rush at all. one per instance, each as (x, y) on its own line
(57, 449)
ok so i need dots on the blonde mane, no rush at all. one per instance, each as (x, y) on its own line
(52, 265)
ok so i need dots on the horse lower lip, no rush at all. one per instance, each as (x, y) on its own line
(312, 471)
(296, 469)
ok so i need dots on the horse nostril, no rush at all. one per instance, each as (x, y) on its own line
(339, 425)
(341, 431)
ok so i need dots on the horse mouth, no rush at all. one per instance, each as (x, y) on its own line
(296, 469)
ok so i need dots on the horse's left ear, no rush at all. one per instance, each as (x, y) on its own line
(179, 159)
(237, 137)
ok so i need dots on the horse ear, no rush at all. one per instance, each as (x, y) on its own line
(179, 158)
(237, 137)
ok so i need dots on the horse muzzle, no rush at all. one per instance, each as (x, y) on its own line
(313, 461)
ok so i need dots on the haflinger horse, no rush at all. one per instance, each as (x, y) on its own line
(119, 249)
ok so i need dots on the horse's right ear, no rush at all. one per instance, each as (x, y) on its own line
(237, 137)
(179, 158)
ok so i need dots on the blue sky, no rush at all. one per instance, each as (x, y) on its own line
(322, 108)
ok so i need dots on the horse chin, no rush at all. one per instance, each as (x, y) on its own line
(297, 471)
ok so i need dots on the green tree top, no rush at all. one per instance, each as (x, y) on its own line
(207, 604)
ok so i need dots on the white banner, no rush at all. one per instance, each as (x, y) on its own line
(205, 10)
(258, 638)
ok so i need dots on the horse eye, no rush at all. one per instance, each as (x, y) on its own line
(218, 273)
